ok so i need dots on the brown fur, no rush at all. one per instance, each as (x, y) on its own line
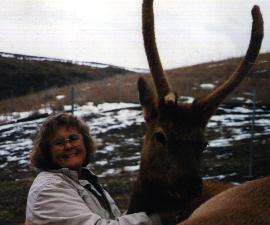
(246, 204)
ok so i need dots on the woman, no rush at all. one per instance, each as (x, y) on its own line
(65, 191)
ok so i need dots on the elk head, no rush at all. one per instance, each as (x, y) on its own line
(175, 137)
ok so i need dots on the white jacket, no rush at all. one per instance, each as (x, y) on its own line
(59, 197)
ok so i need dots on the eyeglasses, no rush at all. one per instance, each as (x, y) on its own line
(73, 139)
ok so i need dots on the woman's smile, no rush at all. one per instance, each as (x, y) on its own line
(71, 153)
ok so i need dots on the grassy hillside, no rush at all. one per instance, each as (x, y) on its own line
(21, 75)
(114, 84)
(188, 80)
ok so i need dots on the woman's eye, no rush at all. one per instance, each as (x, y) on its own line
(74, 137)
(59, 142)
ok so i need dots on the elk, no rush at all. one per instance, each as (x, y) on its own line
(175, 138)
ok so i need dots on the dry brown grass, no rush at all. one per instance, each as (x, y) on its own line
(112, 89)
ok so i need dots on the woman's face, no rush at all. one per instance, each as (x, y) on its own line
(67, 148)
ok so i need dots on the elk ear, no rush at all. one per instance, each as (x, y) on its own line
(147, 99)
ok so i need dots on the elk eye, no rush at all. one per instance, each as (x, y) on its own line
(160, 138)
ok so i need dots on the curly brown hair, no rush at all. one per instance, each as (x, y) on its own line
(41, 157)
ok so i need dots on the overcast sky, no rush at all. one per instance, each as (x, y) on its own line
(109, 31)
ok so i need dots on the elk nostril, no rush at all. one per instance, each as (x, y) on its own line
(191, 185)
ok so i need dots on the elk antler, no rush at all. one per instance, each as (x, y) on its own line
(210, 102)
(160, 79)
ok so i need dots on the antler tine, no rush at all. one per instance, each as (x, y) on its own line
(160, 79)
(211, 102)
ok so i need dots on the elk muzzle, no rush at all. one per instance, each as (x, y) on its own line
(187, 187)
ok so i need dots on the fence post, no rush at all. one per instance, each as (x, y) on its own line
(45, 95)
(12, 105)
(72, 98)
(119, 88)
(251, 147)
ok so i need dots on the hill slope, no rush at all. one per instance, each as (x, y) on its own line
(21, 75)
(197, 80)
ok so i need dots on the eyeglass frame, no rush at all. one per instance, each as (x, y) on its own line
(65, 141)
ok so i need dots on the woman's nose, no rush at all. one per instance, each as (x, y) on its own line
(67, 145)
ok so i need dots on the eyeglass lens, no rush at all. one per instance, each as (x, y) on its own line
(73, 139)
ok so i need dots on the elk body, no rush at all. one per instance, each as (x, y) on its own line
(246, 204)
(169, 175)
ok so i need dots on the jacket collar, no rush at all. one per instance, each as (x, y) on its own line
(85, 174)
